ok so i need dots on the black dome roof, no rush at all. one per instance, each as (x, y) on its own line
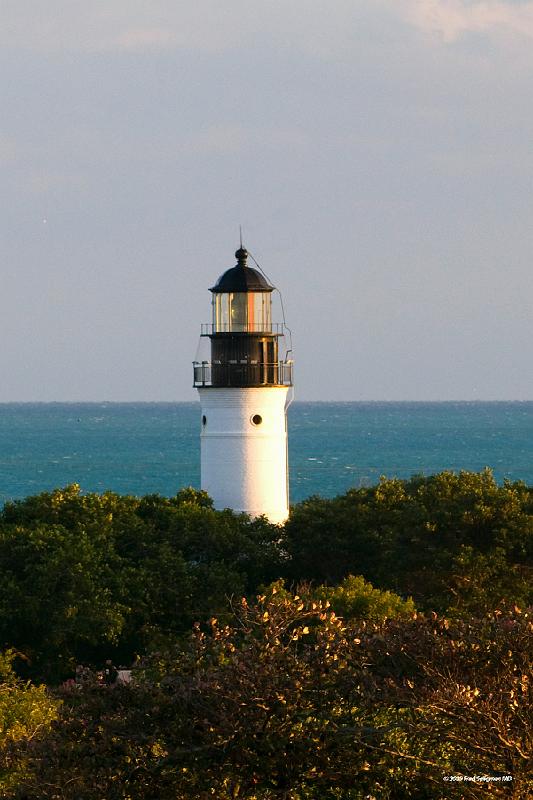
(242, 278)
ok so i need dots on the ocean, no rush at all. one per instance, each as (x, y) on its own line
(142, 448)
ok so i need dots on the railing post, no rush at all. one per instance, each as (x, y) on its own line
(242, 373)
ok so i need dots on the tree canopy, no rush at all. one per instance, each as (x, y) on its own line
(86, 577)
(374, 644)
(288, 700)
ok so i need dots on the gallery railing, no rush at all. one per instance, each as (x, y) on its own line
(268, 328)
(242, 373)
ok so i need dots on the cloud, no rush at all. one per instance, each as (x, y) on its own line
(8, 150)
(43, 181)
(322, 28)
(452, 19)
(238, 138)
(144, 38)
(117, 25)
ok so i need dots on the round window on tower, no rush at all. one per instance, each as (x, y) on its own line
(204, 420)
(257, 419)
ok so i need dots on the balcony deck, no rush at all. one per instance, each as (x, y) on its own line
(241, 374)
(257, 328)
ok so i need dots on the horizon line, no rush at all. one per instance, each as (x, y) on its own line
(299, 400)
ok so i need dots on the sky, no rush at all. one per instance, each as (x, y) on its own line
(377, 153)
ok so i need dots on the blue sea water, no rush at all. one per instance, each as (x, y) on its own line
(140, 448)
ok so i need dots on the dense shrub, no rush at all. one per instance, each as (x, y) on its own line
(86, 577)
(451, 541)
(338, 689)
(287, 700)
(26, 713)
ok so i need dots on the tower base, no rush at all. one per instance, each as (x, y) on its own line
(244, 449)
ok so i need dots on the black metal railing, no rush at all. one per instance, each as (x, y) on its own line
(272, 328)
(242, 373)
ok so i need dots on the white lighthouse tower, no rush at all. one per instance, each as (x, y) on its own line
(244, 391)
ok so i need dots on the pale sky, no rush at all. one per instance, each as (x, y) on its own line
(378, 154)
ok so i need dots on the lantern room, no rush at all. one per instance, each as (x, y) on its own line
(242, 300)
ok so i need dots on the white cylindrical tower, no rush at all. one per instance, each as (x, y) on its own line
(244, 390)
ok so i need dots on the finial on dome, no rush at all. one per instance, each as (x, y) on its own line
(241, 255)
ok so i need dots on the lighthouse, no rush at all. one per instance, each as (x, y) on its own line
(245, 388)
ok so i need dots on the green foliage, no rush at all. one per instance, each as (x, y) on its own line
(286, 700)
(88, 577)
(26, 712)
(59, 592)
(355, 598)
(422, 538)
(340, 691)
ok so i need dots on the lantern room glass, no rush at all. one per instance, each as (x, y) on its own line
(242, 312)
